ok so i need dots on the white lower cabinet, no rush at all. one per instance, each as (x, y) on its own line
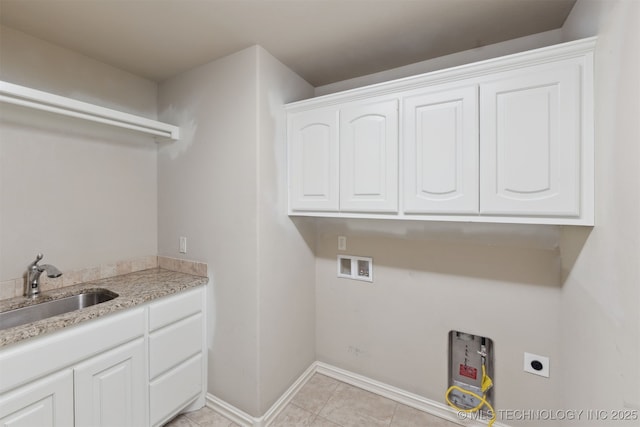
(110, 388)
(176, 362)
(46, 402)
(135, 368)
(175, 389)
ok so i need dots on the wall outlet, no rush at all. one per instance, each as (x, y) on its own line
(537, 365)
(183, 245)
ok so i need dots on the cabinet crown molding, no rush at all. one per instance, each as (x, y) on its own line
(572, 49)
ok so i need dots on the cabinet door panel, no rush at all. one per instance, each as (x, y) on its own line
(441, 151)
(44, 403)
(369, 157)
(530, 139)
(313, 160)
(110, 388)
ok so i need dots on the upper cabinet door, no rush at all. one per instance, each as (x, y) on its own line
(441, 151)
(313, 160)
(530, 141)
(369, 156)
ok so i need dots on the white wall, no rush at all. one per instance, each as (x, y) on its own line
(83, 194)
(208, 194)
(579, 304)
(600, 301)
(286, 262)
(502, 282)
(395, 329)
(222, 186)
(36, 63)
(459, 58)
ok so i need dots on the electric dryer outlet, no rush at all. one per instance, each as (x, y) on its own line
(537, 365)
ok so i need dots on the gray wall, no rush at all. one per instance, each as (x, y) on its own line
(286, 261)
(498, 281)
(600, 300)
(83, 194)
(573, 295)
(222, 186)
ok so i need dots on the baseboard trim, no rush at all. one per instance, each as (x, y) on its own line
(398, 395)
(284, 400)
(246, 420)
(229, 411)
(390, 392)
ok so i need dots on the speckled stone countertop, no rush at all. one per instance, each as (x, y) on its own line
(133, 289)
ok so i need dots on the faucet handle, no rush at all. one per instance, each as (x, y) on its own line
(38, 259)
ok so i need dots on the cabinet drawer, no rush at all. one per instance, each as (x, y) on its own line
(24, 362)
(175, 343)
(175, 390)
(174, 308)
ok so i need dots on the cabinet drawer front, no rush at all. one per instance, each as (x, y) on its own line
(174, 308)
(24, 362)
(175, 390)
(173, 344)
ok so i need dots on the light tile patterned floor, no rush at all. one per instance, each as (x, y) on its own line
(325, 402)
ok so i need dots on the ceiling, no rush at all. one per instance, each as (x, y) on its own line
(324, 41)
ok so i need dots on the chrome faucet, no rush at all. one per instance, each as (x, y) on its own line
(33, 275)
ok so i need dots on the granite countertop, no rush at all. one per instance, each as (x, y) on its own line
(133, 289)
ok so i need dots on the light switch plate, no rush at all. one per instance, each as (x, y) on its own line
(342, 243)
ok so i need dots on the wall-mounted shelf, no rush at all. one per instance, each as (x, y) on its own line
(39, 100)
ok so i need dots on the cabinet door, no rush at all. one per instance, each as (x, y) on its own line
(43, 403)
(530, 141)
(369, 156)
(441, 151)
(110, 389)
(313, 160)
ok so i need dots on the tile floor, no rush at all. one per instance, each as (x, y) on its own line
(325, 402)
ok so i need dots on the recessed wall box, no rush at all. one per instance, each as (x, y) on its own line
(355, 267)
(470, 360)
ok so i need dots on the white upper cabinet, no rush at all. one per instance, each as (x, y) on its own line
(530, 141)
(313, 154)
(441, 151)
(369, 157)
(503, 140)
